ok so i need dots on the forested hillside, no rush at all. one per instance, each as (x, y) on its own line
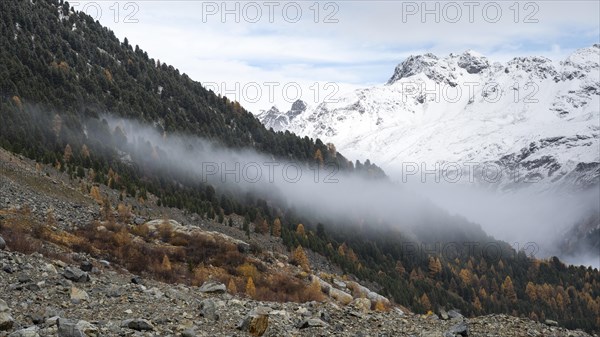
(60, 72)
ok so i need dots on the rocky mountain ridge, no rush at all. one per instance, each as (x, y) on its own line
(533, 118)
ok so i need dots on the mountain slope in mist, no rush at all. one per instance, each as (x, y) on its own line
(513, 146)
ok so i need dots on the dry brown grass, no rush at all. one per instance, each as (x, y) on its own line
(182, 258)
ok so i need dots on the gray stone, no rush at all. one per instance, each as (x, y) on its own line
(311, 323)
(460, 329)
(362, 304)
(2, 244)
(6, 321)
(52, 321)
(138, 324)
(49, 268)
(115, 292)
(75, 328)
(3, 306)
(213, 287)
(33, 287)
(88, 329)
(76, 275)
(551, 322)
(454, 314)
(24, 278)
(188, 333)
(29, 332)
(208, 309)
(37, 318)
(86, 266)
(137, 280)
(78, 295)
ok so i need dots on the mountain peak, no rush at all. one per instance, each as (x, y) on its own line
(437, 68)
(298, 107)
(413, 65)
(588, 57)
(279, 120)
(473, 62)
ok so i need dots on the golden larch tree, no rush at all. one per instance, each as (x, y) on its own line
(68, 154)
(250, 288)
(425, 302)
(231, 287)
(300, 230)
(277, 228)
(166, 264)
(530, 291)
(319, 157)
(508, 289)
(85, 151)
(435, 266)
(400, 268)
(299, 257)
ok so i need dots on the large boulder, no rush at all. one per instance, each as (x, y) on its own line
(361, 304)
(28, 332)
(86, 266)
(78, 295)
(458, 330)
(76, 328)
(455, 314)
(256, 322)
(311, 323)
(6, 321)
(208, 310)
(2, 243)
(76, 275)
(213, 287)
(138, 324)
(340, 296)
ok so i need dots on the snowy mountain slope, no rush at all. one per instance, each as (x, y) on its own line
(534, 119)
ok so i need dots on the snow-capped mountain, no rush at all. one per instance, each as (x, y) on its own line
(533, 118)
(280, 121)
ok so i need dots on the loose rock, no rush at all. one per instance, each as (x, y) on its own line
(78, 295)
(256, 322)
(138, 324)
(76, 275)
(208, 310)
(213, 287)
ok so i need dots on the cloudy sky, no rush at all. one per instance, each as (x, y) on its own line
(270, 53)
